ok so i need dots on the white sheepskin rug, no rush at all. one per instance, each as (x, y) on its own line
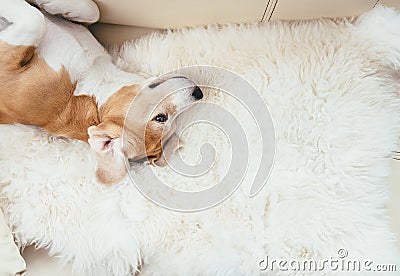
(333, 90)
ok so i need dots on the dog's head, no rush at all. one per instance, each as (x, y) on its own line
(134, 123)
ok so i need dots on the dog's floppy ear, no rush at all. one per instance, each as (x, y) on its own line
(105, 142)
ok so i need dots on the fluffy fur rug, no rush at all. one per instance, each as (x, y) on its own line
(331, 89)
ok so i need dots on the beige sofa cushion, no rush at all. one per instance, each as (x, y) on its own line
(179, 13)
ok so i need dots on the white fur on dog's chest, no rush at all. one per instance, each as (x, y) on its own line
(103, 79)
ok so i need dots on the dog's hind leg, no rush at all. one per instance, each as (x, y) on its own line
(20, 23)
(85, 11)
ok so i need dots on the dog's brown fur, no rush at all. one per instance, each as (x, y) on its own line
(32, 93)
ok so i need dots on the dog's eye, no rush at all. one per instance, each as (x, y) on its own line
(161, 118)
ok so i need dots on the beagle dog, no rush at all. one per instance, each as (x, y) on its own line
(55, 74)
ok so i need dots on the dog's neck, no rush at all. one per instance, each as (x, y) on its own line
(104, 79)
(73, 118)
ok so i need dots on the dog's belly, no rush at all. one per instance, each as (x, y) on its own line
(69, 45)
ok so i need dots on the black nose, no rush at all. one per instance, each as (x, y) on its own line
(197, 93)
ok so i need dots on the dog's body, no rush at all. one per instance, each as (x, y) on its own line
(59, 67)
(31, 92)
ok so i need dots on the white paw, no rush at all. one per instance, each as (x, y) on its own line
(85, 11)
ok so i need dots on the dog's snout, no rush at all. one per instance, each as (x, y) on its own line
(197, 93)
